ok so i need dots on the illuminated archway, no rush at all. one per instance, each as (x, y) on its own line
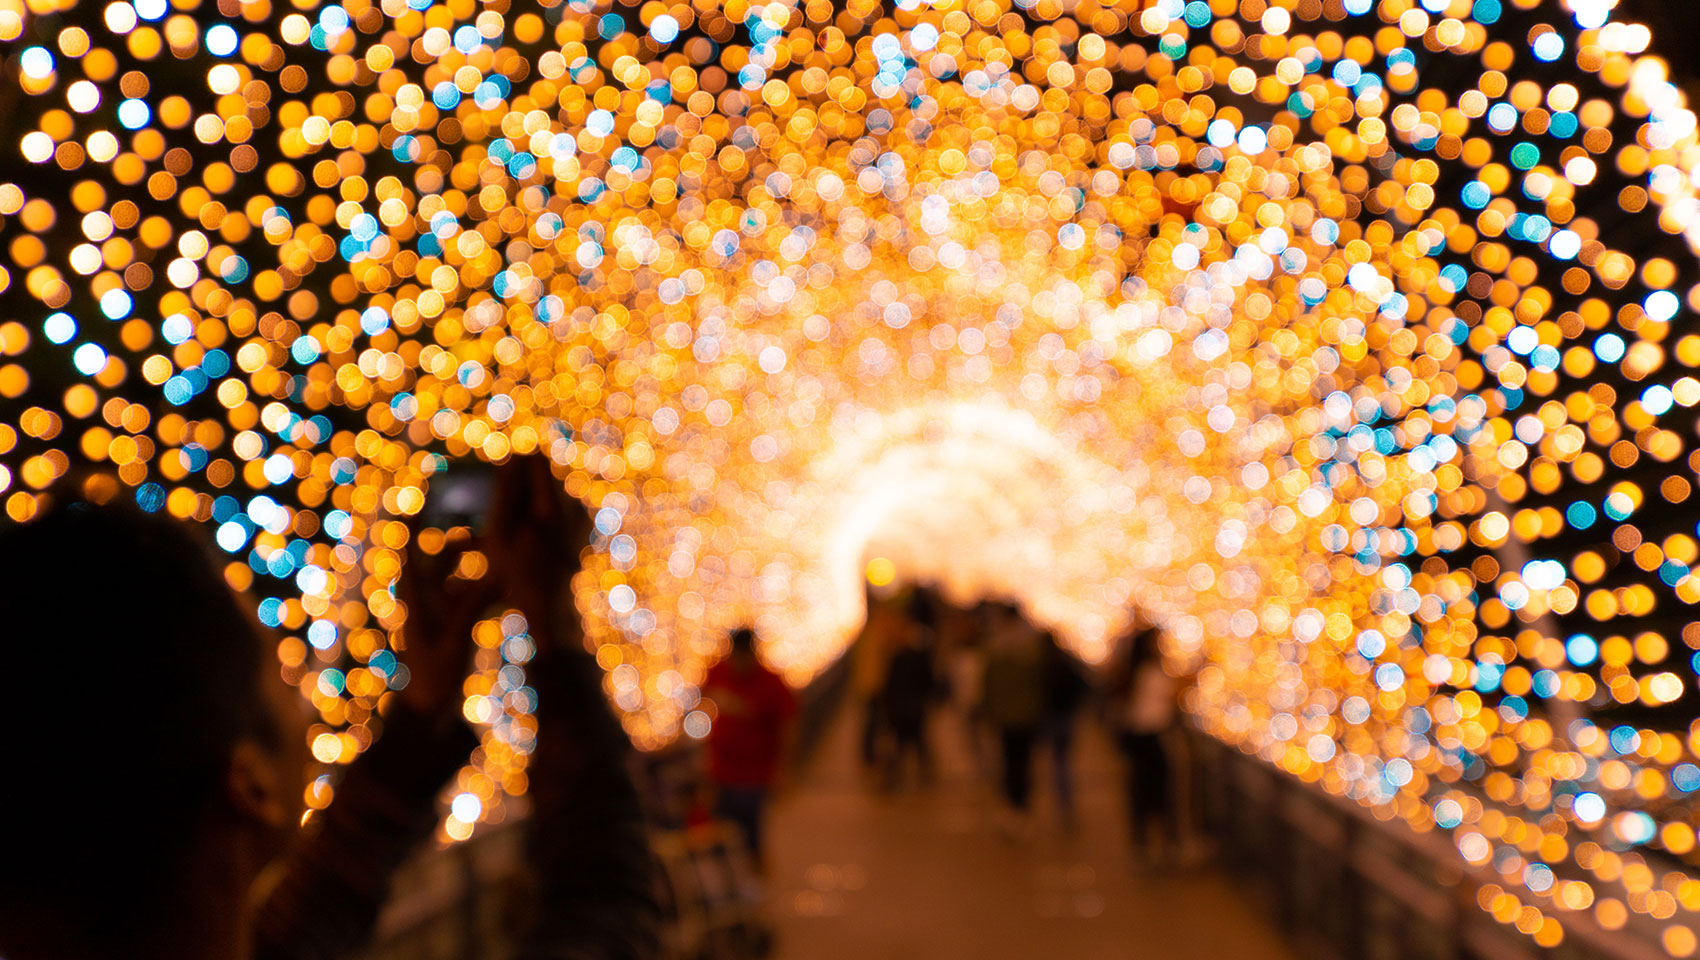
(1347, 295)
(983, 501)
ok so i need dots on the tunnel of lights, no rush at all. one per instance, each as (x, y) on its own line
(1348, 339)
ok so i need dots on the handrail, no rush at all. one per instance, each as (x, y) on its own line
(1352, 838)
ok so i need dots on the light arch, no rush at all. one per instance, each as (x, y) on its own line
(984, 501)
(1336, 273)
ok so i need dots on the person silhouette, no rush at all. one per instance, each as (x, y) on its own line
(750, 738)
(163, 817)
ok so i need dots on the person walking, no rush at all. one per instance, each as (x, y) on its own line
(1146, 713)
(1015, 705)
(965, 668)
(909, 687)
(870, 665)
(1066, 689)
(750, 738)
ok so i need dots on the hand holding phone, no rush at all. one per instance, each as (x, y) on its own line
(446, 586)
(461, 496)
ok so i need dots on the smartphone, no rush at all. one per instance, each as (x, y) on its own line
(460, 497)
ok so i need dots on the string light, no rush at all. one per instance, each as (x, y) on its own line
(1341, 335)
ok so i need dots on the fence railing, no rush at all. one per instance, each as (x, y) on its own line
(1347, 884)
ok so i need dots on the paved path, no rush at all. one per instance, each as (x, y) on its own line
(930, 873)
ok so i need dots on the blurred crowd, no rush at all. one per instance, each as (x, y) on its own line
(160, 769)
(1013, 698)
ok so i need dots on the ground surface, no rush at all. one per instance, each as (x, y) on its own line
(932, 873)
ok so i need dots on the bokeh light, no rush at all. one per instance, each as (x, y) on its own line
(1347, 338)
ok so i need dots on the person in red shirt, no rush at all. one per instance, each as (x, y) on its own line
(750, 736)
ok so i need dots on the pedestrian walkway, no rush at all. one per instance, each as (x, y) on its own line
(930, 873)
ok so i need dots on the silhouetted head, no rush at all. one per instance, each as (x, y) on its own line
(921, 608)
(743, 644)
(145, 737)
(998, 612)
(1143, 647)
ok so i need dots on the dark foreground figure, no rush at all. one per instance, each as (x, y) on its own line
(157, 762)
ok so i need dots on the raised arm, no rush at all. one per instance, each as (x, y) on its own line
(322, 900)
(595, 877)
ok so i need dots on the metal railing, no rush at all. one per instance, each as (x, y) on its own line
(1345, 883)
